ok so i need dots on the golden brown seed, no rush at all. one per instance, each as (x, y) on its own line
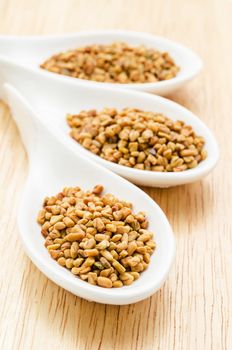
(56, 218)
(77, 262)
(104, 282)
(90, 252)
(135, 275)
(131, 247)
(100, 237)
(68, 222)
(54, 253)
(111, 227)
(61, 261)
(118, 267)
(146, 236)
(117, 284)
(107, 255)
(103, 245)
(92, 278)
(98, 224)
(53, 246)
(106, 272)
(116, 238)
(59, 226)
(91, 243)
(71, 237)
(104, 262)
(74, 250)
(67, 253)
(69, 263)
(75, 270)
(89, 262)
(41, 217)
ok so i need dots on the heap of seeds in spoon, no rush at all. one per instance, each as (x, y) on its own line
(138, 139)
(114, 63)
(96, 236)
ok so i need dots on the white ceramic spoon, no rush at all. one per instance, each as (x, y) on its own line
(52, 99)
(32, 51)
(53, 166)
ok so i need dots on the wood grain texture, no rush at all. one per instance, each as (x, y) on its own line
(194, 308)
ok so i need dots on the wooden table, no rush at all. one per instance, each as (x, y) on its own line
(193, 310)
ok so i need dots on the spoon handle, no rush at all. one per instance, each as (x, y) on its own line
(21, 113)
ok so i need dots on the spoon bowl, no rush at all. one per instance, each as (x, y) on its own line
(52, 98)
(53, 166)
(32, 51)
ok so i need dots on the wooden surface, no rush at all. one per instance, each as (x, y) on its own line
(194, 308)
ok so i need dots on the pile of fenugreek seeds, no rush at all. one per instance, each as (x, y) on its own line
(114, 63)
(97, 237)
(138, 139)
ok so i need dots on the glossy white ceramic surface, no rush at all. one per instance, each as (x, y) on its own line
(32, 51)
(51, 99)
(54, 165)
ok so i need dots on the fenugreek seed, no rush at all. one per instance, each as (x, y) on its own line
(71, 237)
(103, 245)
(133, 261)
(107, 255)
(104, 282)
(111, 227)
(117, 284)
(90, 252)
(91, 243)
(84, 270)
(147, 258)
(112, 246)
(59, 226)
(121, 246)
(88, 262)
(118, 267)
(116, 238)
(126, 276)
(192, 164)
(56, 218)
(113, 277)
(53, 246)
(54, 253)
(65, 245)
(41, 217)
(84, 277)
(77, 262)
(75, 270)
(132, 235)
(141, 250)
(123, 254)
(98, 265)
(150, 244)
(69, 263)
(68, 222)
(114, 254)
(144, 236)
(131, 247)
(67, 253)
(135, 275)
(61, 261)
(98, 224)
(137, 268)
(92, 278)
(189, 152)
(100, 237)
(106, 272)
(74, 250)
